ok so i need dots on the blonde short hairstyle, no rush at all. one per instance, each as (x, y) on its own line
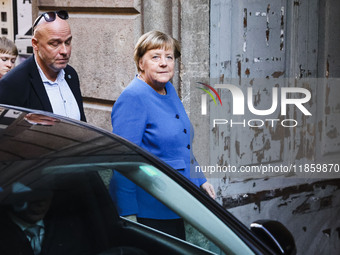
(8, 47)
(155, 40)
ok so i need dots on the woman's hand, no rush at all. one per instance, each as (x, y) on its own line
(207, 187)
(132, 217)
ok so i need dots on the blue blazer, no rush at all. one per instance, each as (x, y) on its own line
(23, 87)
(159, 124)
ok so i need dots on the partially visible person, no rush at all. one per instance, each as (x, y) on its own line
(150, 114)
(45, 81)
(30, 226)
(8, 55)
(53, 220)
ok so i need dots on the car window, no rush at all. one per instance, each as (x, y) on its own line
(169, 192)
(187, 206)
(80, 215)
(77, 214)
(193, 235)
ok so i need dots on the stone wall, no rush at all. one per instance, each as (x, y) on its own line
(104, 35)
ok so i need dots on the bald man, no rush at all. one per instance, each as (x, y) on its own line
(45, 81)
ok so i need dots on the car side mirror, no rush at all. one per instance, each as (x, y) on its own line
(275, 235)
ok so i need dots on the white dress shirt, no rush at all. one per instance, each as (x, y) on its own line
(35, 241)
(60, 95)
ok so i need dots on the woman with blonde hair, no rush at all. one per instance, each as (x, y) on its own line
(150, 114)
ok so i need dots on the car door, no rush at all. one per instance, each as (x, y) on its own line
(44, 152)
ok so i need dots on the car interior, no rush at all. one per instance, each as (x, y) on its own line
(82, 219)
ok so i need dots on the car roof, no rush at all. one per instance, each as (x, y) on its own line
(31, 138)
(35, 141)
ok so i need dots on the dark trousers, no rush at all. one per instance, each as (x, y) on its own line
(172, 227)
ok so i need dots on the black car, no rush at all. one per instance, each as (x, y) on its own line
(57, 171)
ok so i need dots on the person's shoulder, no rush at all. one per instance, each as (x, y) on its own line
(134, 94)
(71, 75)
(135, 88)
(70, 70)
